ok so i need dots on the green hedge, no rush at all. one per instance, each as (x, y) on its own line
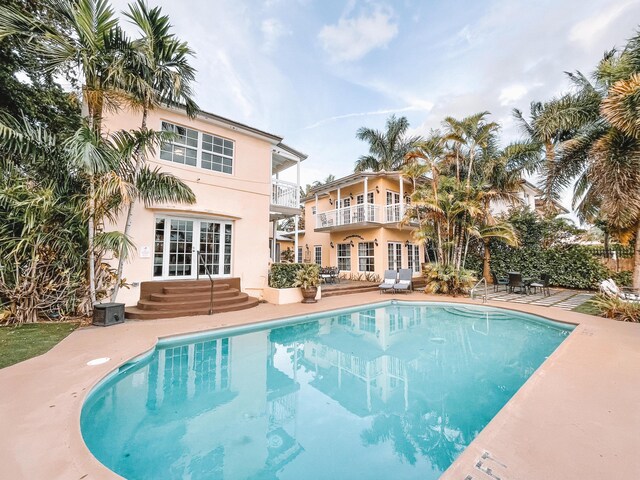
(283, 275)
(570, 266)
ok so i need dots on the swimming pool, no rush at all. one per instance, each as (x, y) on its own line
(393, 390)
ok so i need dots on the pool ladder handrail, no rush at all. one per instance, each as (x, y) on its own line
(486, 290)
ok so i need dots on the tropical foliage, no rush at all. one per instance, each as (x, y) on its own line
(80, 179)
(593, 139)
(616, 308)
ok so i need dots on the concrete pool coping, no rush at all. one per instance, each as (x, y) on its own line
(576, 417)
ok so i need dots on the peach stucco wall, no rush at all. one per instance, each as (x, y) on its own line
(242, 197)
(383, 234)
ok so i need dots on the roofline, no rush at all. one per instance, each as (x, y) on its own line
(293, 151)
(349, 178)
(231, 124)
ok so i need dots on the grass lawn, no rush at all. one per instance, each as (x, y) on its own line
(26, 341)
(587, 307)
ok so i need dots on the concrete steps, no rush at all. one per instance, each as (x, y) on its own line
(180, 298)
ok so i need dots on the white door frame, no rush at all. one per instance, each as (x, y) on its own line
(195, 246)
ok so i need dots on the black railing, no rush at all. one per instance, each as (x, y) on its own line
(612, 252)
(202, 261)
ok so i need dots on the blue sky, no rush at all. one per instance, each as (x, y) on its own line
(314, 71)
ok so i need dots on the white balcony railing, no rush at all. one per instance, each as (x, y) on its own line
(284, 194)
(358, 213)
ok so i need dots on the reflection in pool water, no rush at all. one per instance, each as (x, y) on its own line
(390, 392)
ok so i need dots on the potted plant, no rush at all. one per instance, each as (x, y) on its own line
(308, 279)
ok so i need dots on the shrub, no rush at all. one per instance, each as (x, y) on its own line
(614, 307)
(308, 276)
(623, 278)
(446, 279)
(283, 275)
(570, 266)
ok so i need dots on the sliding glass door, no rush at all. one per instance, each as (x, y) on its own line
(185, 247)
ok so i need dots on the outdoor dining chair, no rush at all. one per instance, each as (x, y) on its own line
(515, 281)
(497, 281)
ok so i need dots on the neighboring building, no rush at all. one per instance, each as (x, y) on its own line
(531, 197)
(360, 233)
(233, 170)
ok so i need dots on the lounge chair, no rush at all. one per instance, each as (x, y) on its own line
(609, 288)
(405, 276)
(543, 284)
(515, 281)
(497, 281)
(390, 278)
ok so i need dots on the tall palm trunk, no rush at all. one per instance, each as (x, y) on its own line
(127, 227)
(486, 261)
(636, 259)
(91, 240)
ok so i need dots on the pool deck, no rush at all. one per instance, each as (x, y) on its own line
(577, 417)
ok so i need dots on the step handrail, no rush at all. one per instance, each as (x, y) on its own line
(206, 270)
(486, 292)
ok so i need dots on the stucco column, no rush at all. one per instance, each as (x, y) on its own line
(273, 240)
(338, 222)
(315, 218)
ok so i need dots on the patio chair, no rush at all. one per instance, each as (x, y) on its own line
(515, 281)
(325, 275)
(497, 281)
(543, 284)
(609, 288)
(405, 275)
(389, 280)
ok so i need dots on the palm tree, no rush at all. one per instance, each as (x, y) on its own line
(603, 152)
(387, 149)
(469, 136)
(160, 74)
(93, 45)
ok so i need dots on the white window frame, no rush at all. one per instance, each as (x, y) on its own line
(317, 254)
(397, 249)
(200, 149)
(372, 267)
(413, 257)
(347, 258)
(197, 221)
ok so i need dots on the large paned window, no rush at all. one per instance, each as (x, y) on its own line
(344, 256)
(394, 251)
(317, 253)
(365, 257)
(197, 149)
(414, 258)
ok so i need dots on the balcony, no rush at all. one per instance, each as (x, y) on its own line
(359, 216)
(284, 197)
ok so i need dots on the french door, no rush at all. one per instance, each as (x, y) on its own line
(394, 250)
(178, 241)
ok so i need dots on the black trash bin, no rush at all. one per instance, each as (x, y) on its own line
(105, 314)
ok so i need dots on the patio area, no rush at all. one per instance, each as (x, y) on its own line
(565, 299)
(556, 415)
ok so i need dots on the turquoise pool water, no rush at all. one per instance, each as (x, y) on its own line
(396, 390)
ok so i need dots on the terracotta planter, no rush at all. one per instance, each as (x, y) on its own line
(309, 294)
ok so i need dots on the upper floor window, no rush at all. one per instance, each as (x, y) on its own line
(198, 149)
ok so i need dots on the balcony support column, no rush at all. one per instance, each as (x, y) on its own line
(273, 241)
(295, 238)
(401, 212)
(338, 222)
(366, 195)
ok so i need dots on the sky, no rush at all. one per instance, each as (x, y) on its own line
(314, 71)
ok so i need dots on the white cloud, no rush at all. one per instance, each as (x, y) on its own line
(352, 38)
(272, 30)
(511, 94)
(387, 111)
(589, 31)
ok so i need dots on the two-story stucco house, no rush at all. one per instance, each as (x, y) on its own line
(232, 168)
(353, 223)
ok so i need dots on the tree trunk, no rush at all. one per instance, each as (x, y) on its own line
(91, 241)
(127, 227)
(486, 261)
(636, 259)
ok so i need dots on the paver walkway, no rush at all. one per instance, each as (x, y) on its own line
(561, 298)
